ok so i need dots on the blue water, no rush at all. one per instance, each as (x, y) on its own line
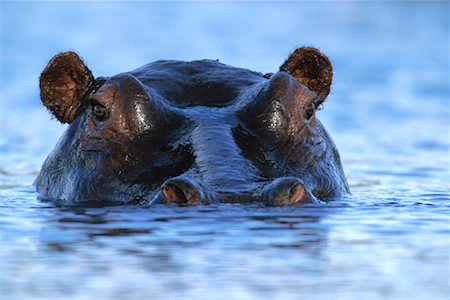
(388, 113)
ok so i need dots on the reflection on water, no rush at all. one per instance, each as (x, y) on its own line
(228, 250)
(388, 113)
(178, 249)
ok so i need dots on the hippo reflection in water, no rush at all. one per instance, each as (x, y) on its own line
(189, 133)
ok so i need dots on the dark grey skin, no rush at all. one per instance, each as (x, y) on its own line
(191, 133)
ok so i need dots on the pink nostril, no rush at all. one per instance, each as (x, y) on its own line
(174, 194)
(286, 191)
(297, 193)
(181, 191)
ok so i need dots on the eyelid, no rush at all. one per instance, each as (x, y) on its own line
(94, 101)
(99, 112)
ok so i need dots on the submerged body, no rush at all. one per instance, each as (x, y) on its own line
(191, 133)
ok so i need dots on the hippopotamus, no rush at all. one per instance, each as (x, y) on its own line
(189, 133)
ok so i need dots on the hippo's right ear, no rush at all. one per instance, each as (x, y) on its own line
(311, 68)
(64, 85)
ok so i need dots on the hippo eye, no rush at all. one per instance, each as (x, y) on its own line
(100, 112)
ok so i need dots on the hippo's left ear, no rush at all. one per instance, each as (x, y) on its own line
(311, 68)
(64, 84)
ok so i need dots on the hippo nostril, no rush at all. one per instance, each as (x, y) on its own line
(174, 194)
(181, 191)
(286, 191)
(297, 193)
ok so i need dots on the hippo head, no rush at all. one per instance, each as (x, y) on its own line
(190, 133)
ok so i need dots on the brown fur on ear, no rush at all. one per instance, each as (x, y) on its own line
(64, 85)
(311, 68)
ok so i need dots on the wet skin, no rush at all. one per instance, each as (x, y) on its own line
(191, 133)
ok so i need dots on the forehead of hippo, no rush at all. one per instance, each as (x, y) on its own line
(200, 82)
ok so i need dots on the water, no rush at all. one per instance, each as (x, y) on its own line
(388, 113)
